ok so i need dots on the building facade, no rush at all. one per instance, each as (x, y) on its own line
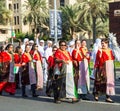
(61, 3)
(114, 19)
(18, 12)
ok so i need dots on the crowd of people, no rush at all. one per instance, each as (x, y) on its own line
(63, 69)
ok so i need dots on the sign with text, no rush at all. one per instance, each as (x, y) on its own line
(52, 24)
(117, 12)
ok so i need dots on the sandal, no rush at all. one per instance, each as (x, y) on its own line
(96, 98)
(109, 100)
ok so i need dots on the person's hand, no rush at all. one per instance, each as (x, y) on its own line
(75, 63)
(37, 35)
(23, 64)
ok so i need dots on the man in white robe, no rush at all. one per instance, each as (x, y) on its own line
(25, 42)
(48, 52)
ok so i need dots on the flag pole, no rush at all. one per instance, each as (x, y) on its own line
(55, 12)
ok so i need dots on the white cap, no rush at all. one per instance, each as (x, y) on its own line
(26, 40)
(71, 43)
(42, 41)
(49, 41)
(31, 41)
(98, 40)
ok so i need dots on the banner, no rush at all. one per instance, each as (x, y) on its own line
(52, 24)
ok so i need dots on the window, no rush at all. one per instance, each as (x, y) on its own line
(14, 6)
(17, 6)
(18, 20)
(2, 31)
(14, 20)
(62, 2)
(18, 30)
(10, 6)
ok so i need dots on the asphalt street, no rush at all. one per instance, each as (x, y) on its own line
(44, 103)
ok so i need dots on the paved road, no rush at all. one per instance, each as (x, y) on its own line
(44, 103)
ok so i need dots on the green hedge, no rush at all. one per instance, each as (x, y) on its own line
(117, 64)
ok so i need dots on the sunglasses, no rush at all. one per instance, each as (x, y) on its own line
(62, 45)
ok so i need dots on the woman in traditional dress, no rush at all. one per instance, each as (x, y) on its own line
(7, 77)
(51, 63)
(28, 75)
(66, 78)
(17, 60)
(84, 78)
(104, 76)
(77, 58)
(37, 59)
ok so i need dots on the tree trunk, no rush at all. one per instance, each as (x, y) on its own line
(94, 29)
(35, 26)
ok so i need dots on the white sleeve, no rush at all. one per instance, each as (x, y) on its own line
(37, 41)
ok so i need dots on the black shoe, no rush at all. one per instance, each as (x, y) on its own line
(24, 96)
(11, 94)
(35, 95)
(0, 93)
(48, 94)
(85, 98)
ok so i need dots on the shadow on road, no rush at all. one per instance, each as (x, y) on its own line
(43, 97)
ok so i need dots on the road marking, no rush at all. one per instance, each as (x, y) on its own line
(101, 102)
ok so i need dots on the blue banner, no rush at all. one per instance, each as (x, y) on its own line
(52, 24)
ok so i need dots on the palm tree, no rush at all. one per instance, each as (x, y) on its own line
(102, 28)
(4, 13)
(71, 18)
(94, 9)
(36, 13)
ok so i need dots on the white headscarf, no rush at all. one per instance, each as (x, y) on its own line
(96, 46)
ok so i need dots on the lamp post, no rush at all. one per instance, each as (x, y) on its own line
(11, 27)
(55, 13)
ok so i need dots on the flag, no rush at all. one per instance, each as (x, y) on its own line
(13, 34)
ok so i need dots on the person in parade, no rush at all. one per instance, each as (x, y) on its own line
(7, 77)
(65, 78)
(40, 45)
(37, 59)
(72, 77)
(77, 58)
(51, 63)
(71, 47)
(48, 52)
(17, 66)
(104, 76)
(84, 78)
(28, 75)
(96, 47)
(31, 42)
(25, 42)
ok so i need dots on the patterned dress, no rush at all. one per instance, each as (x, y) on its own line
(104, 76)
(68, 85)
(84, 77)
